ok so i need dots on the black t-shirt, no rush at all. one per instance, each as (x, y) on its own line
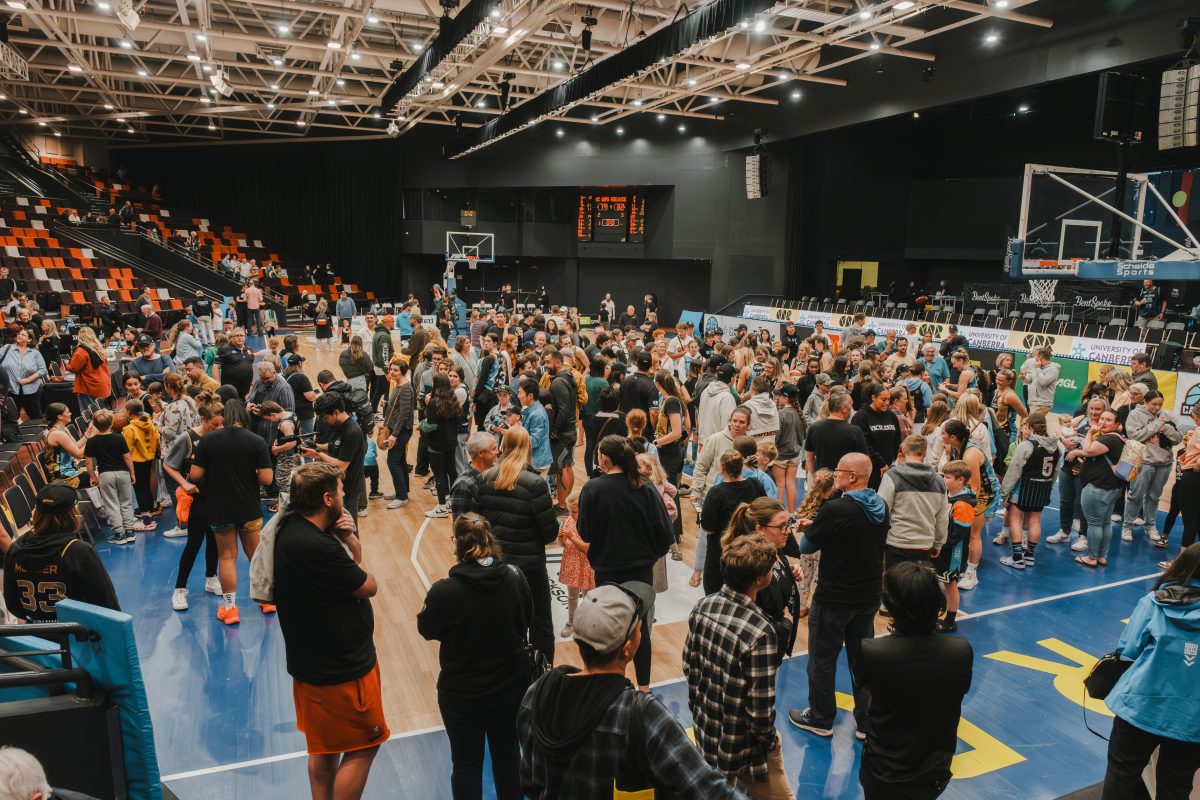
(723, 499)
(638, 391)
(851, 554)
(327, 631)
(917, 685)
(1097, 471)
(830, 439)
(109, 450)
(237, 368)
(301, 384)
(347, 443)
(231, 458)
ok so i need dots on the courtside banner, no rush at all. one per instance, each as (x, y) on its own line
(730, 324)
(1027, 341)
(987, 338)
(1105, 350)
(802, 317)
(1187, 394)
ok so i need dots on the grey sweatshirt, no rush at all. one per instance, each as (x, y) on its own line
(915, 495)
(1020, 456)
(1145, 427)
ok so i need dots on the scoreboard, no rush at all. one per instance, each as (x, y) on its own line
(611, 218)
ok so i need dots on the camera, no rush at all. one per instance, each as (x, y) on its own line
(305, 439)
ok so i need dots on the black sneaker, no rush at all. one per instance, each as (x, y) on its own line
(947, 627)
(802, 720)
(559, 511)
(375, 496)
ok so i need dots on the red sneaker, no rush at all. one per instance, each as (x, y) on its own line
(228, 615)
(267, 608)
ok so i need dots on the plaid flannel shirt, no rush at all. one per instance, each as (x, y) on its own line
(464, 492)
(731, 657)
(676, 766)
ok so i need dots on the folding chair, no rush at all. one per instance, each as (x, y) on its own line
(18, 505)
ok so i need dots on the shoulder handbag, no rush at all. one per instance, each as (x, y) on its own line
(1100, 681)
(535, 660)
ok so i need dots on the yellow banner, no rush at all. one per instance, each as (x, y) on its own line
(1027, 341)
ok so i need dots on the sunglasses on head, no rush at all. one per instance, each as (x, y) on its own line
(639, 609)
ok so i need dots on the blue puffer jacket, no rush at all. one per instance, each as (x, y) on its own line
(1160, 693)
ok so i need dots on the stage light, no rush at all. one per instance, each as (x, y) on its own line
(585, 39)
(505, 90)
(1001, 4)
(743, 65)
(418, 47)
(637, 102)
(458, 123)
(278, 62)
(916, 115)
(75, 68)
(864, 14)
(313, 92)
(193, 57)
(558, 65)
(331, 102)
(991, 38)
(333, 45)
(108, 106)
(436, 85)
(103, 6)
(207, 68)
(620, 131)
(373, 20)
(760, 26)
(558, 132)
(904, 5)
(499, 30)
(270, 105)
(377, 115)
(595, 118)
(274, 87)
(212, 127)
(928, 74)
(495, 13)
(795, 94)
(714, 99)
(41, 124)
(682, 129)
(142, 73)
(16, 5)
(56, 133)
(879, 68)
(874, 45)
(130, 130)
(22, 111)
(481, 104)
(691, 82)
(744, 24)
(206, 100)
(300, 123)
(126, 44)
(283, 30)
(200, 37)
(341, 82)
(1022, 109)
(355, 56)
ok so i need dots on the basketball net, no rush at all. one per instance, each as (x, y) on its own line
(1041, 291)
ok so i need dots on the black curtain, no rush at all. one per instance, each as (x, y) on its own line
(804, 271)
(333, 202)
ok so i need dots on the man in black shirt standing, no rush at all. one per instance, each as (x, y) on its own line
(638, 390)
(323, 596)
(916, 679)
(830, 439)
(346, 448)
(850, 533)
(235, 363)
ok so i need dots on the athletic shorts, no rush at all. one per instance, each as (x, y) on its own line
(562, 455)
(341, 718)
(1033, 495)
(948, 563)
(253, 526)
(985, 504)
(896, 555)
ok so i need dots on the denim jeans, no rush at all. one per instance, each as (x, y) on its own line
(1144, 493)
(397, 464)
(1069, 506)
(1097, 510)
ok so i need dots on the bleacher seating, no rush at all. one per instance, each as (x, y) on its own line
(64, 279)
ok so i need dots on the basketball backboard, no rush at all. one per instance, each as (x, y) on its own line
(1067, 224)
(469, 246)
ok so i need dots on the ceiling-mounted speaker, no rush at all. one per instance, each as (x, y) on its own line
(756, 176)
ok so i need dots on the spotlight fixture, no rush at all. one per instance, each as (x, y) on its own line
(393, 128)
(682, 129)
(142, 73)
(879, 68)
(1023, 109)
(373, 20)
(333, 44)
(125, 44)
(193, 57)
(200, 37)
(41, 124)
(743, 65)
(916, 115)
(341, 82)
(22, 111)
(500, 30)
(278, 62)
(637, 102)
(377, 115)
(744, 24)
(903, 5)
(874, 45)
(56, 133)
(991, 38)
(274, 87)
(458, 123)
(313, 92)
(864, 14)
(714, 99)
(354, 56)
(595, 118)
(1001, 4)
(620, 131)
(212, 127)
(283, 29)
(418, 47)
(505, 90)
(300, 123)
(205, 100)
(270, 105)
(207, 68)
(16, 5)
(108, 106)
(495, 13)
(331, 102)
(103, 6)
(691, 82)
(436, 85)
(130, 130)
(558, 65)
(558, 132)
(481, 104)
(795, 94)
(760, 26)
(660, 117)
(74, 68)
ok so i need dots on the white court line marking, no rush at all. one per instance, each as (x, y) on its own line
(415, 549)
(301, 754)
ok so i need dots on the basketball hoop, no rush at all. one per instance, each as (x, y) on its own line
(472, 260)
(1041, 291)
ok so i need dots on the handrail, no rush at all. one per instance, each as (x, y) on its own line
(35, 675)
(178, 249)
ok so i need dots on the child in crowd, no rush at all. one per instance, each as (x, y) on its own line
(948, 562)
(1026, 489)
(494, 421)
(111, 469)
(344, 333)
(155, 399)
(635, 423)
(649, 467)
(142, 438)
(287, 454)
(574, 572)
(371, 469)
(753, 454)
(820, 492)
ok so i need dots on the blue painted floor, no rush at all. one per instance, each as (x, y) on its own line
(220, 697)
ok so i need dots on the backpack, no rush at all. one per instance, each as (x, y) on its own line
(5, 387)
(358, 403)
(1000, 441)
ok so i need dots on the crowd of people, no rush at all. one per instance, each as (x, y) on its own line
(831, 481)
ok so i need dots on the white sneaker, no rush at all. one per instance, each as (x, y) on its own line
(397, 504)
(362, 513)
(1080, 544)
(1116, 517)
(213, 585)
(968, 581)
(179, 600)
(1009, 561)
(1000, 538)
(567, 632)
(1126, 534)
(1139, 521)
(175, 533)
(438, 512)
(1059, 538)
(1154, 536)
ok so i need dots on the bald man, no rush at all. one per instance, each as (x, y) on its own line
(850, 534)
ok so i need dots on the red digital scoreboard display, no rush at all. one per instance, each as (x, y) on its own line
(611, 217)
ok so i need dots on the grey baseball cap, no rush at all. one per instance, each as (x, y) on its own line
(824, 380)
(606, 614)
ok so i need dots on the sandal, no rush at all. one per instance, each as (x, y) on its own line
(1102, 562)
(1161, 544)
(1083, 560)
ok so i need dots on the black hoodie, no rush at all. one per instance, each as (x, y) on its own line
(40, 570)
(479, 614)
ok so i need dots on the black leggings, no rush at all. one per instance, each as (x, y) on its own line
(671, 458)
(31, 404)
(1188, 488)
(444, 473)
(643, 658)
(198, 532)
(143, 491)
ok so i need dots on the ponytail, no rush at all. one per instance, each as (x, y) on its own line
(618, 450)
(748, 516)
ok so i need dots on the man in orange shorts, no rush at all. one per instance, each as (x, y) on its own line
(323, 599)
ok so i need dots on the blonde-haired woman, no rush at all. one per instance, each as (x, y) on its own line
(89, 364)
(969, 411)
(323, 322)
(515, 501)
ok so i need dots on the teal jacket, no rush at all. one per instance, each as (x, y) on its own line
(1160, 693)
(537, 423)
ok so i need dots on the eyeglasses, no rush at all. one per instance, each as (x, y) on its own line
(847, 471)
